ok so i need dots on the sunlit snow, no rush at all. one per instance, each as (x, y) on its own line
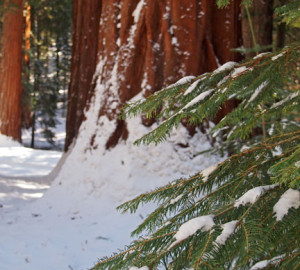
(74, 222)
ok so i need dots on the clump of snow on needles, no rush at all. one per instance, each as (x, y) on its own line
(205, 223)
(260, 265)
(238, 71)
(265, 263)
(277, 56)
(182, 81)
(191, 88)
(176, 199)
(289, 199)
(136, 268)
(228, 229)
(252, 195)
(198, 98)
(225, 66)
(207, 171)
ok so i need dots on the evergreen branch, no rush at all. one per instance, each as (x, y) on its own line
(289, 12)
(203, 251)
(205, 94)
(271, 80)
(246, 236)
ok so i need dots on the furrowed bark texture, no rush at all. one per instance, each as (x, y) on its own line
(10, 70)
(145, 45)
(86, 15)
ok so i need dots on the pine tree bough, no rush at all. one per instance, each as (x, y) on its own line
(245, 211)
(213, 215)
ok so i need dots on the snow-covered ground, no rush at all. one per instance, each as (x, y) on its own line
(74, 222)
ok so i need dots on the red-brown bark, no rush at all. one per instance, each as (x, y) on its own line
(172, 39)
(84, 59)
(11, 67)
(25, 98)
(168, 40)
(27, 34)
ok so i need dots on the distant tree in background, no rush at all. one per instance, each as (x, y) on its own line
(49, 62)
(10, 69)
(45, 28)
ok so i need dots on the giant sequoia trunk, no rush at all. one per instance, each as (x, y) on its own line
(144, 45)
(10, 70)
(86, 16)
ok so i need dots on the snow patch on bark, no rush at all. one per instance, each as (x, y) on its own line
(136, 13)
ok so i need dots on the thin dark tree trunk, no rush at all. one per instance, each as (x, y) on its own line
(32, 130)
(281, 31)
(57, 62)
(37, 74)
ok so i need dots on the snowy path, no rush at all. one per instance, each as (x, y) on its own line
(15, 192)
(23, 180)
(56, 232)
(74, 222)
(22, 173)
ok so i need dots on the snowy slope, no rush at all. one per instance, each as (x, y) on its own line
(75, 222)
